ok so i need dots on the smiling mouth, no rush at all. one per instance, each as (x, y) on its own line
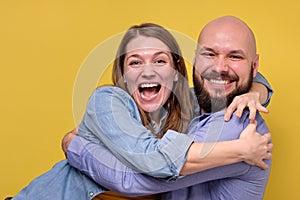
(220, 81)
(149, 90)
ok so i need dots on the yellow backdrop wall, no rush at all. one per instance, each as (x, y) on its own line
(44, 43)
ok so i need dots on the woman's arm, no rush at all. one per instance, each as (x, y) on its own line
(104, 168)
(257, 99)
(99, 163)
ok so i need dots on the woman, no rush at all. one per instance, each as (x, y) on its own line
(155, 99)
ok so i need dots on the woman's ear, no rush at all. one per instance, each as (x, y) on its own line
(176, 76)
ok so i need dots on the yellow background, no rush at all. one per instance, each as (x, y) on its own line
(44, 43)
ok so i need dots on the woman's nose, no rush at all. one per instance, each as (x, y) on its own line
(148, 70)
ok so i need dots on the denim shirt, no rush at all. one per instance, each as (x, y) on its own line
(138, 151)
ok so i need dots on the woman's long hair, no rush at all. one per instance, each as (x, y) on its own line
(180, 104)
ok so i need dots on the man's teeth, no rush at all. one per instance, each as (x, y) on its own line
(221, 82)
(148, 85)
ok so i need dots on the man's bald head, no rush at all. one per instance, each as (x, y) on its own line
(231, 26)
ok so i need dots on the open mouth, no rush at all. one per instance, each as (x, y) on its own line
(149, 90)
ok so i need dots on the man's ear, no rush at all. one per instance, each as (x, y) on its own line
(255, 65)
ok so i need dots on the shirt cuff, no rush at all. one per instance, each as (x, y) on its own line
(75, 148)
(259, 78)
(175, 147)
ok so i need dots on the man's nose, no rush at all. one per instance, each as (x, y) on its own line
(221, 65)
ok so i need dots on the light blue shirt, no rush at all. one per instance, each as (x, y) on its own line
(138, 150)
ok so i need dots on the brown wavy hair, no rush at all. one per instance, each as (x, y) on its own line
(180, 104)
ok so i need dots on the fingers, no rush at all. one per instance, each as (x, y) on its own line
(230, 109)
(261, 108)
(268, 156)
(241, 102)
(240, 109)
(67, 139)
(262, 165)
(268, 136)
(270, 147)
(253, 125)
(74, 131)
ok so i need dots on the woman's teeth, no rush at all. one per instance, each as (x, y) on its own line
(148, 85)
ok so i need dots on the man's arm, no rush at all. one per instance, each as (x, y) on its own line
(99, 163)
(104, 168)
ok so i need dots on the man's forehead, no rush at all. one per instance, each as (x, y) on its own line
(227, 36)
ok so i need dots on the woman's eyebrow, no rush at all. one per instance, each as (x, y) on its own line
(167, 53)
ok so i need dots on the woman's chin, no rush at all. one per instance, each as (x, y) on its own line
(151, 108)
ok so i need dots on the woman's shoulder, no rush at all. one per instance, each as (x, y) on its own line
(111, 93)
(110, 90)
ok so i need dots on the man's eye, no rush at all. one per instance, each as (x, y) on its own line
(208, 54)
(236, 57)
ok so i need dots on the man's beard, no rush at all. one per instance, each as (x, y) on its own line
(219, 102)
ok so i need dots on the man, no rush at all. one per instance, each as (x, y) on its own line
(225, 64)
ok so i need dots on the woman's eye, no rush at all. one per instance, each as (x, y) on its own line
(160, 61)
(134, 63)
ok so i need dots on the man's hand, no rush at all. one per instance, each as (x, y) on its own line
(67, 140)
(258, 147)
(239, 103)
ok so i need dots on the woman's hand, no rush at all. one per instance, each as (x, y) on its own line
(256, 147)
(67, 140)
(239, 103)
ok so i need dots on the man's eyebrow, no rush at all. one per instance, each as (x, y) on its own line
(239, 51)
(203, 48)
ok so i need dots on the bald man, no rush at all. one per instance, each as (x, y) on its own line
(226, 55)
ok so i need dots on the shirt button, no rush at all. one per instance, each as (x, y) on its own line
(91, 194)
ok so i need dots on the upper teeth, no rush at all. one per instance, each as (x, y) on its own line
(147, 85)
(219, 81)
